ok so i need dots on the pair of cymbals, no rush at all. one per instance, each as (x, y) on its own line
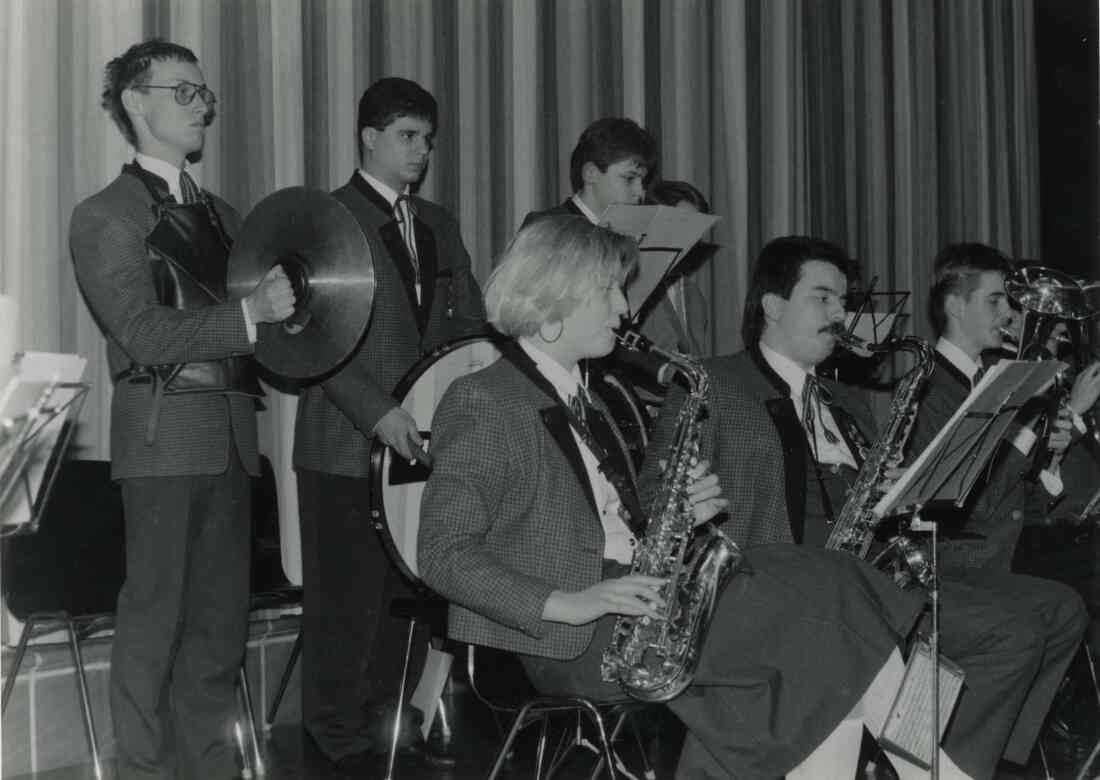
(327, 259)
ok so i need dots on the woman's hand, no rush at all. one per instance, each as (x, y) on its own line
(635, 594)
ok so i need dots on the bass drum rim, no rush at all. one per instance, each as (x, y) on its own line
(377, 457)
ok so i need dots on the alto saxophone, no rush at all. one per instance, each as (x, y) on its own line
(654, 659)
(854, 529)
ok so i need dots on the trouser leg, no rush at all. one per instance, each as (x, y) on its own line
(988, 628)
(149, 619)
(215, 628)
(352, 650)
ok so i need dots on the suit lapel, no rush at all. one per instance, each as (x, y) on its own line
(617, 458)
(570, 207)
(776, 395)
(390, 233)
(553, 417)
(947, 368)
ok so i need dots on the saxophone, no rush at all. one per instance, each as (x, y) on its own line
(653, 660)
(854, 529)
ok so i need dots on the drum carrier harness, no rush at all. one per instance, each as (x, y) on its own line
(188, 251)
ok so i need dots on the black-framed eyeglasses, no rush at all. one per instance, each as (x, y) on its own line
(185, 92)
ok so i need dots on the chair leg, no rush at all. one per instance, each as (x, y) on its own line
(605, 743)
(400, 701)
(540, 753)
(258, 768)
(647, 770)
(288, 670)
(20, 651)
(85, 700)
(517, 724)
(614, 735)
(1092, 670)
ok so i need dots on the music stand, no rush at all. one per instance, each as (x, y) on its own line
(947, 470)
(37, 416)
(665, 234)
(874, 323)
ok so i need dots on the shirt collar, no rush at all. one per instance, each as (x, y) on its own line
(564, 382)
(957, 358)
(588, 213)
(385, 190)
(789, 371)
(166, 171)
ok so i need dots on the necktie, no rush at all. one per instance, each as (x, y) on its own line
(404, 213)
(188, 189)
(977, 376)
(578, 405)
(813, 395)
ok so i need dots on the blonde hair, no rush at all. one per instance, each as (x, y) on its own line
(552, 267)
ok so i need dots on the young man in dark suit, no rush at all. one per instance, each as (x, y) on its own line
(787, 482)
(970, 314)
(611, 163)
(150, 255)
(425, 295)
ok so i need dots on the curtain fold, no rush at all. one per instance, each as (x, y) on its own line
(888, 126)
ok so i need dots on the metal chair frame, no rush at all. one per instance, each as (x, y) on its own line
(539, 709)
(81, 627)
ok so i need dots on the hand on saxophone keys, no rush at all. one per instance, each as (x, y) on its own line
(634, 594)
(704, 492)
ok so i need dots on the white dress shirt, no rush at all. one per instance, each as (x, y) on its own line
(589, 214)
(619, 542)
(171, 176)
(825, 451)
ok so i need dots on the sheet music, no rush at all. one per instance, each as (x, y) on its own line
(872, 328)
(664, 235)
(947, 468)
(34, 408)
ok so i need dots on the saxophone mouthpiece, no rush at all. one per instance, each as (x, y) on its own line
(636, 342)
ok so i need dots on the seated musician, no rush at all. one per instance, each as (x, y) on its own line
(786, 446)
(528, 527)
(970, 314)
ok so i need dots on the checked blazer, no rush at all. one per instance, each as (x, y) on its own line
(337, 415)
(508, 515)
(756, 444)
(194, 432)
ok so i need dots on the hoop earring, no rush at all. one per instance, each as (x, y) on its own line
(561, 329)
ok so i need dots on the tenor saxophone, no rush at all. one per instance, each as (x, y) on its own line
(854, 529)
(654, 659)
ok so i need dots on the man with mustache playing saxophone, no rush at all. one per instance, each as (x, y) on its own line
(521, 530)
(787, 482)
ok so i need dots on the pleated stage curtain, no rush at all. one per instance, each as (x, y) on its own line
(886, 125)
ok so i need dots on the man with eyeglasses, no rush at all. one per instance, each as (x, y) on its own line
(150, 255)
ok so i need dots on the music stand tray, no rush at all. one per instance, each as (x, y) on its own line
(37, 418)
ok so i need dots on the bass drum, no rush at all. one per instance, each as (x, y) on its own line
(628, 412)
(397, 487)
